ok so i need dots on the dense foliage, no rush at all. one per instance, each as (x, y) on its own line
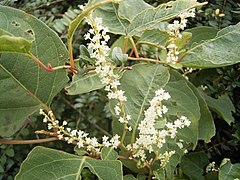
(84, 109)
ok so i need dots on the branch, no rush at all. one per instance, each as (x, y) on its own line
(146, 59)
(134, 47)
(35, 141)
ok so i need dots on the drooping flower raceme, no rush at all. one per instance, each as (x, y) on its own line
(104, 68)
(149, 136)
(174, 30)
(81, 138)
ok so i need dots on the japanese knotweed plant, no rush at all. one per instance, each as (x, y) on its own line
(158, 115)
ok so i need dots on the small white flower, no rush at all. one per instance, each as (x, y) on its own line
(50, 126)
(129, 128)
(112, 95)
(117, 110)
(80, 144)
(115, 84)
(121, 120)
(180, 145)
(128, 117)
(87, 36)
(45, 119)
(105, 141)
(60, 136)
(64, 123)
(178, 124)
(186, 122)
(41, 111)
(115, 141)
(105, 138)
(74, 132)
(81, 7)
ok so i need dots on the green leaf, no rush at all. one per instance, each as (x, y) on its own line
(108, 153)
(118, 57)
(124, 22)
(85, 55)
(25, 87)
(131, 8)
(206, 125)
(183, 102)
(193, 165)
(223, 106)
(206, 128)
(84, 83)
(228, 170)
(129, 177)
(201, 33)
(10, 152)
(10, 43)
(54, 164)
(160, 174)
(223, 50)
(151, 17)
(111, 19)
(154, 37)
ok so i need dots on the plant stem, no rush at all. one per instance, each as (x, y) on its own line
(146, 59)
(182, 57)
(47, 68)
(124, 50)
(35, 141)
(134, 47)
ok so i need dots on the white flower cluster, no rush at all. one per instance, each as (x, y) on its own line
(105, 69)
(164, 158)
(77, 136)
(211, 167)
(174, 31)
(149, 137)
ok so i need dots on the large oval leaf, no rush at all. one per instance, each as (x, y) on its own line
(126, 10)
(25, 87)
(223, 50)
(128, 22)
(151, 17)
(45, 163)
(228, 170)
(111, 19)
(206, 127)
(183, 102)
